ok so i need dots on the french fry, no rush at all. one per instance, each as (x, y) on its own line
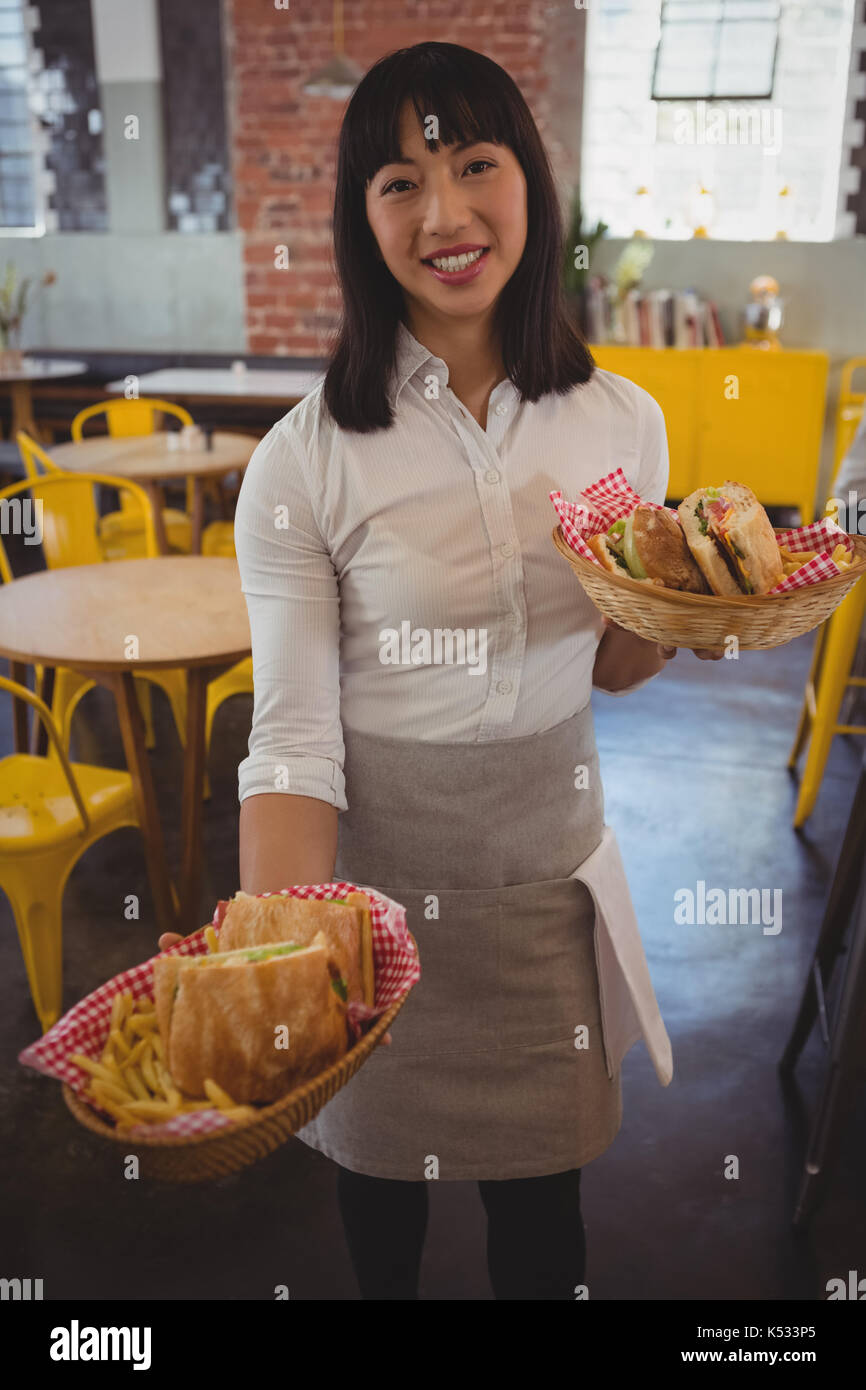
(120, 1043)
(139, 1048)
(158, 1047)
(135, 1082)
(165, 1080)
(95, 1068)
(114, 1109)
(145, 1109)
(841, 556)
(148, 1071)
(239, 1112)
(142, 1023)
(104, 1089)
(211, 938)
(116, 1014)
(219, 1097)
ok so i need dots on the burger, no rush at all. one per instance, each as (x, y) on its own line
(649, 545)
(731, 537)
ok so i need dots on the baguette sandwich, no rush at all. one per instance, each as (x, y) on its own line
(258, 1020)
(732, 539)
(345, 924)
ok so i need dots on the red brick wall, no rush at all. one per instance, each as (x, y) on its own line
(284, 142)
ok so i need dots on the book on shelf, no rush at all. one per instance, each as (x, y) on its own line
(652, 318)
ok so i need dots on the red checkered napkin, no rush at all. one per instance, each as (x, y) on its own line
(611, 498)
(823, 536)
(85, 1028)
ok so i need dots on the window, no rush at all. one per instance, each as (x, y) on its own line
(716, 49)
(713, 153)
(198, 174)
(20, 200)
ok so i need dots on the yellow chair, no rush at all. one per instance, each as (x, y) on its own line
(124, 419)
(51, 811)
(825, 688)
(218, 538)
(69, 537)
(849, 410)
(836, 640)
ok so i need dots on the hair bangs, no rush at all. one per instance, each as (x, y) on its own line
(473, 99)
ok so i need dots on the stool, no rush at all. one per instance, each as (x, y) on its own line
(848, 1043)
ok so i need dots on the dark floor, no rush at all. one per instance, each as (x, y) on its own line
(696, 787)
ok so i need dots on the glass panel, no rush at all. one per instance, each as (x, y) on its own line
(13, 106)
(13, 51)
(746, 55)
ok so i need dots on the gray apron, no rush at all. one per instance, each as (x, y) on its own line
(497, 1066)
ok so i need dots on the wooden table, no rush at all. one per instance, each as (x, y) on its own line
(280, 386)
(185, 611)
(146, 459)
(34, 369)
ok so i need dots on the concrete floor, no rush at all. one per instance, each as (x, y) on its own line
(696, 787)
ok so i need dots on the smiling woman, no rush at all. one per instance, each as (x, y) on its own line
(446, 217)
(416, 483)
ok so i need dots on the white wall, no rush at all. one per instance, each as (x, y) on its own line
(172, 291)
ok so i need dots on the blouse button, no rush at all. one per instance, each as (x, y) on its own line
(491, 476)
(503, 687)
(506, 550)
(501, 408)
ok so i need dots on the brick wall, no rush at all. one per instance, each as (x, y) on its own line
(284, 142)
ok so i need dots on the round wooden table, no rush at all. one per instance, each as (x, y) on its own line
(173, 611)
(19, 380)
(147, 459)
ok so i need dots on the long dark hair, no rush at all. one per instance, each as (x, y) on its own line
(474, 99)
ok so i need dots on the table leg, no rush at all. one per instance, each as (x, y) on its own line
(197, 514)
(18, 672)
(39, 736)
(155, 494)
(132, 733)
(193, 786)
(22, 411)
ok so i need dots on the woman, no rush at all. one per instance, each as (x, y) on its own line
(408, 494)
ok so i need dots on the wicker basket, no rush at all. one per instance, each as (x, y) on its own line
(203, 1157)
(704, 620)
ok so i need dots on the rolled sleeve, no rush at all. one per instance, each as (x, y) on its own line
(292, 596)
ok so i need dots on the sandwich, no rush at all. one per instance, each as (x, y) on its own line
(732, 539)
(649, 545)
(345, 924)
(257, 1021)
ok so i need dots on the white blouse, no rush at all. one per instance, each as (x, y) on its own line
(405, 582)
